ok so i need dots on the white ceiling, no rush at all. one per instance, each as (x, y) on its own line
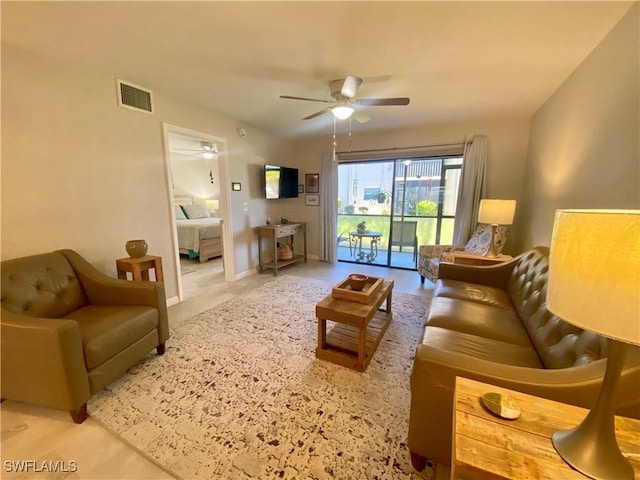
(457, 61)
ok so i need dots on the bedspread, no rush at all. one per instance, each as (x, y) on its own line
(190, 232)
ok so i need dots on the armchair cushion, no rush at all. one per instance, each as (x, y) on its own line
(480, 241)
(108, 329)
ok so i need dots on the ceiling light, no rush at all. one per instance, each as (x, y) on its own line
(342, 112)
(209, 150)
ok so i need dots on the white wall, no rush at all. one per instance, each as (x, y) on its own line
(191, 177)
(507, 149)
(585, 140)
(80, 172)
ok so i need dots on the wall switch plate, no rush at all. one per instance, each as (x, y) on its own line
(245, 206)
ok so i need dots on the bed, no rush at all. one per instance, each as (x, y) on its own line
(199, 235)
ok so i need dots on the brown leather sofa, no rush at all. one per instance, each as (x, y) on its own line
(68, 330)
(490, 324)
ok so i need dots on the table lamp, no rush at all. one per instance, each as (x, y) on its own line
(213, 205)
(594, 284)
(496, 212)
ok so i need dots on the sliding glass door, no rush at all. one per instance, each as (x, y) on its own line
(399, 204)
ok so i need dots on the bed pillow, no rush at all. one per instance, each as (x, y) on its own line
(195, 211)
(179, 212)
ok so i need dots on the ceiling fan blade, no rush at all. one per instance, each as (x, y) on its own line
(317, 114)
(350, 86)
(304, 98)
(372, 102)
(361, 117)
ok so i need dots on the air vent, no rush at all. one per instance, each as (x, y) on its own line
(134, 97)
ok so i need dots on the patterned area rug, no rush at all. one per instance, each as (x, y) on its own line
(240, 393)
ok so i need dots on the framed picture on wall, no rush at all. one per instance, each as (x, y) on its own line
(312, 181)
(312, 200)
(300, 188)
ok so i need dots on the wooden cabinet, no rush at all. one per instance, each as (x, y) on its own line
(289, 233)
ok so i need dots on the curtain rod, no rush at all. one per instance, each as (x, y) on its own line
(393, 149)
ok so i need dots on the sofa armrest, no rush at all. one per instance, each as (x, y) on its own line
(491, 275)
(43, 361)
(575, 385)
(104, 290)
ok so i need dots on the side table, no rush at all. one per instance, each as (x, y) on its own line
(139, 268)
(486, 446)
(476, 259)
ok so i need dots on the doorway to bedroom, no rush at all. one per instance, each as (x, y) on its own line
(196, 171)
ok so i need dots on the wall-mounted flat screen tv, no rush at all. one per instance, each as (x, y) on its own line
(280, 182)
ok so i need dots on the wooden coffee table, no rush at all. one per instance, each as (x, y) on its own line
(358, 330)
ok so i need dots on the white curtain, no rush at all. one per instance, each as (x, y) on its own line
(328, 208)
(472, 185)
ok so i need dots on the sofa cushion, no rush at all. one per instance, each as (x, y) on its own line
(477, 319)
(481, 348)
(473, 292)
(42, 285)
(106, 330)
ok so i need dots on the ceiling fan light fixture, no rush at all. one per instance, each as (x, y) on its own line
(208, 155)
(342, 112)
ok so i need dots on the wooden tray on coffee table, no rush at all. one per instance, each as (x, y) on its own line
(343, 290)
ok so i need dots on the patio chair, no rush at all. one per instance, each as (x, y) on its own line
(350, 239)
(404, 234)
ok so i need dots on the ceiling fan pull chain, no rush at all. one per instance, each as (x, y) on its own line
(335, 144)
(349, 144)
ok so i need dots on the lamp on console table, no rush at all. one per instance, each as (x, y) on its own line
(594, 284)
(496, 212)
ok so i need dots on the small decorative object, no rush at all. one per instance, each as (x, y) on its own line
(357, 281)
(284, 221)
(268, 219)
(136, 248)
(285, 252)
(362, 227)
(503, 406)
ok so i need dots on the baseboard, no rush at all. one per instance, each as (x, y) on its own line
(245, 274)
(172, 301)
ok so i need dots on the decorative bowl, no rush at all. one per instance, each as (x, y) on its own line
(136, 248)
(357, 281)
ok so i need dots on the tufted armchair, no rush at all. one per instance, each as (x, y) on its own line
(68, 330)
(430, 256)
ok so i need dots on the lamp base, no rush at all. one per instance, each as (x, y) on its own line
(491, 253)
(591, 447)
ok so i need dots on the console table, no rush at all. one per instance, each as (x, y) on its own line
(274, 232)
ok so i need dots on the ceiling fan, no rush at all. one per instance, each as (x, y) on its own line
(207, 150)
(343, 92)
